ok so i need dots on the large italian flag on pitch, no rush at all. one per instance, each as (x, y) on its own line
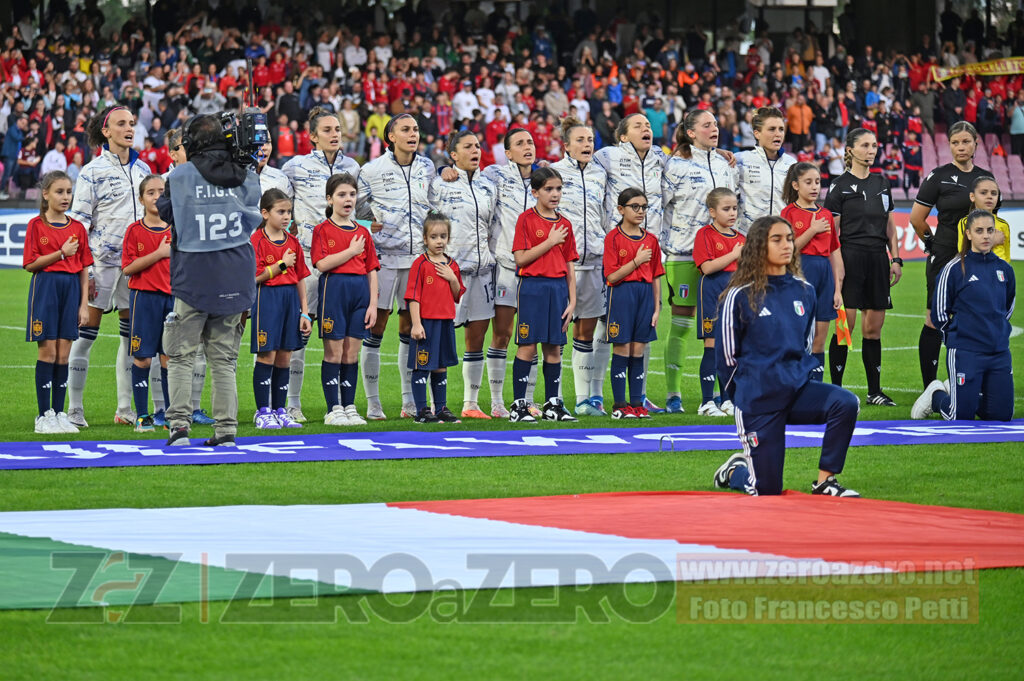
(109, 556)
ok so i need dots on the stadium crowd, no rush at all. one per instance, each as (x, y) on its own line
(486, 73)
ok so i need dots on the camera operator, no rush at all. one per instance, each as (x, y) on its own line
(215, 198)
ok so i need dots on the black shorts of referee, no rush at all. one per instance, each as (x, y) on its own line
(866, 285)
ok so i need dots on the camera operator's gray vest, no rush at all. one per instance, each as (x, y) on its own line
(211, 218)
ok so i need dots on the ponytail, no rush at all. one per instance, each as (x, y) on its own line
(682, 138)
(793, 175)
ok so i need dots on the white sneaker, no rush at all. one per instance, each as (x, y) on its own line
(354, 419)
(374, 412)
(284, 420)
(498, 411)
(76, 415)
(408, 411)
(47, 423)
(922, 408)
(264, 420)
(64, 424)
(125, 416)
(296, 414)
(709, 408)
(728, 407)
(337, 417)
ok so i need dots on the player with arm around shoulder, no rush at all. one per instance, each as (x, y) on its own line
(765, 330)
(974, 299)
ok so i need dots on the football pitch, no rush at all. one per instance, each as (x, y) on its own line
(526, 632)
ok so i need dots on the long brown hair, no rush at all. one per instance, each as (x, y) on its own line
(682, 137)
(751, 268)
(795, 172)
(971, 218)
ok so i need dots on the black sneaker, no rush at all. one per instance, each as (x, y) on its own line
(880, 399)
(831, 487)
(446, 416)
(226, 440)
(426, 416)
(519, 412)
(721, 478)
(554, 410)
(178, 437)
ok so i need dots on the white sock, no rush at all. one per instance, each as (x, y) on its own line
(472, 377)
(582, 368)
(123, 368)
(198, 378)
(497, 364)
(369, 361)
(602, 359)
(156, 385)
(296, 372)
(78, 365)
(403, 369)
(531, 383)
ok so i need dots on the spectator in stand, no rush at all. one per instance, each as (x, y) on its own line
(1017, 124)
(464, 102)
(798, 118)
(54, 159)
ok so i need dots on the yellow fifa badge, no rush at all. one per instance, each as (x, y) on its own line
(136, 343)
(524, 330)
(613, 330)
(328, 324)
(37, 327)
(261, 338)
(709, 325)
(422, 357)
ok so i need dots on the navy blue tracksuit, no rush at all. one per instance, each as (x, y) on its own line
(973, 305)
(765, 352)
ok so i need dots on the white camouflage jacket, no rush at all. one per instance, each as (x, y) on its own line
(397, 197)
(760, 184)
(583, 195)
(685, 188)
(625, 169)
(106, 201)
(469, 204)
(514, 199)
(308, 176)
(272, 178)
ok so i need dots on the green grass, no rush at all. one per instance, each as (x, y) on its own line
(977, 476)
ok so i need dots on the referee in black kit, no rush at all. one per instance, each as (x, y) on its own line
(948, 190)
(861, 202)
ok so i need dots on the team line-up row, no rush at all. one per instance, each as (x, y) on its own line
(461, 264)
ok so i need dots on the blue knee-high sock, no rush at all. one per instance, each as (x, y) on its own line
(262, 384)
(420, 378)
(140, 389)
(349, 374)
(636, 381)
(620, 376)
(520, 377)
(818, 373)
(163, 385)
(44, 385)
(439, 389)
(60, 386)
(330, 374)
(707, 375)
(552, 378)
(279, 387)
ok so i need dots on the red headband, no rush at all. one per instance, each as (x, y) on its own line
(112, 110)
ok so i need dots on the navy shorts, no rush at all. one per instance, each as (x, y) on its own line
(437, 350)
(53, 300)
(147, 311)
(629, 307)
(541, 302)
(275, 319)
(343, 302)
(818, 273)
(711, 287)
